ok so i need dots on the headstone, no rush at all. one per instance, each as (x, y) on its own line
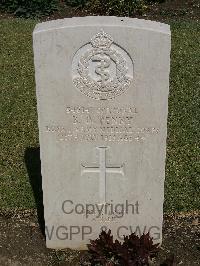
(102, 91)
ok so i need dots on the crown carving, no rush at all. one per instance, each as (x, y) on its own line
(101, 40)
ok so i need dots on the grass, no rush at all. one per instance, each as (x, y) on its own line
(18, 111)
(182, 187)
(18, 116)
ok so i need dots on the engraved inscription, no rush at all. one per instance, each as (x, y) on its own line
(103, 169)
(110, 124)
(101, 69)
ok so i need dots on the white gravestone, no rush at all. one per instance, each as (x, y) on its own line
(102, 92)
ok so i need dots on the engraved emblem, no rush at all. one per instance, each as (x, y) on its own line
(101, 69)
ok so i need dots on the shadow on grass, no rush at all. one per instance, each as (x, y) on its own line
(33, 165)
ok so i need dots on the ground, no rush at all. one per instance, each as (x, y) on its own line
(21, 240)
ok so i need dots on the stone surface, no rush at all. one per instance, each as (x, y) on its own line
(102, 91)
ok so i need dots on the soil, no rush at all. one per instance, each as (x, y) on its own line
(22, 242)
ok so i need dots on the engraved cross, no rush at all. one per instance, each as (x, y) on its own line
(103, 169)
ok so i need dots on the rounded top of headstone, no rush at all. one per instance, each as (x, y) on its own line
(101, 21)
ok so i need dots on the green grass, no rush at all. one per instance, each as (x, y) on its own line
(19, 116)
(18, 111)
(182, 187)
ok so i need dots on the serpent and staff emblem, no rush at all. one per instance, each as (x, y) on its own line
(104, 63)
(104, 70)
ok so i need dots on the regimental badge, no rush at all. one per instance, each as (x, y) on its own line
(101, 69)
